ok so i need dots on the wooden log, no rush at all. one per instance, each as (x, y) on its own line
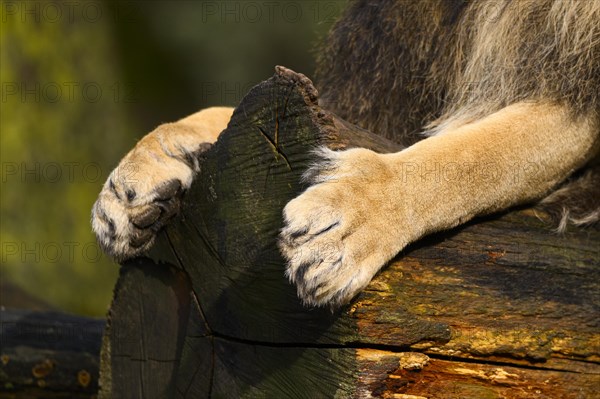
(49, 355)
(501, 307)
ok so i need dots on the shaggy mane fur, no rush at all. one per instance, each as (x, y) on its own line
(403, 68)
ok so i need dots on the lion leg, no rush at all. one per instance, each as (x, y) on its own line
(144, 191)
(365, 207)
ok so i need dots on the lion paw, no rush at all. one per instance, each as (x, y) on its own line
(341, 230)
(140, 196)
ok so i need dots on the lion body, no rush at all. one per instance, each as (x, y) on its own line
(397, 67)
(406, 69)
(510, 87)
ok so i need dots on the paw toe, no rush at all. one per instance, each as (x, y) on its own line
(139, 238)
(306, 221)
(123, 229)
(102, 223)
(146, 217)
(168, 209)
(168, 190)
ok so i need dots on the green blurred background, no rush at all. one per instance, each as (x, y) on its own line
(82, 81)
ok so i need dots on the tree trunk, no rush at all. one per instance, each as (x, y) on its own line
(49, 355)
(501, 307)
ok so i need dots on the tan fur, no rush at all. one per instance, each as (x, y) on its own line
(509, 51)
(501, 97)
(411, 69)
(366, 207)
(395, 66)
(141, 194)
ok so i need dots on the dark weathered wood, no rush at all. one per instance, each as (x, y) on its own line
(502, 307)
(145, 331)
(48, 355)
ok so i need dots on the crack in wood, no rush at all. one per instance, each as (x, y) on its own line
(193, 291)
(274, 145)
(146, 359)
(209, 246)
(392, 349)
(518, 298)
(142, 370)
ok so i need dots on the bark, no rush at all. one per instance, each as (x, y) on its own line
(500, 307)
(49, 355)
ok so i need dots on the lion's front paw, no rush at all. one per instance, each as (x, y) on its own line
(343, 229)
(137, 200)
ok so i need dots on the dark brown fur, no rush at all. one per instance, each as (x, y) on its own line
(403, 68)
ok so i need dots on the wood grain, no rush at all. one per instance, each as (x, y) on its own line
(501, 307)
(48, 355)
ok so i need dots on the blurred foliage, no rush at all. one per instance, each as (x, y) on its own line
(82, 81)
